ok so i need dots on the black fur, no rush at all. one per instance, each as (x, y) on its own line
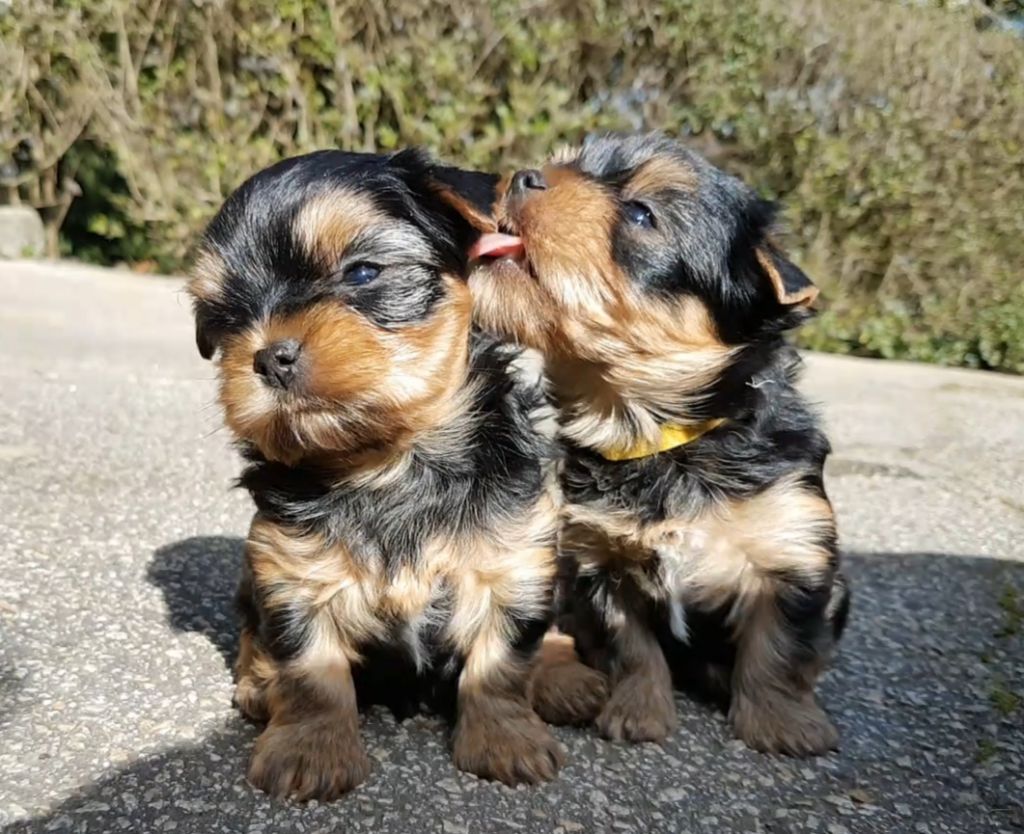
(704, 238)
(267, 268)
(704, 242)
(770, 433)
(495, 474)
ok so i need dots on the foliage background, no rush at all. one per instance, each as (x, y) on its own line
(893, 131)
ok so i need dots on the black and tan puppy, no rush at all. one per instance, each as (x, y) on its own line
(696, 522)
(403, 545)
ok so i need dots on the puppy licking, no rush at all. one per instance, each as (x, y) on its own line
(403, 545)
(699, 539)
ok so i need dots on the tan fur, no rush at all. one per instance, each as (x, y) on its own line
(348, 601)
(254, 673)
(343, 351)
(311, 746)
(661, 174)
(352, 599)
(498, 736)
(773, 705)
(506, 300)
(376, 387)
(641, 706)
(746, 545)
(615, 356)
(207, 276)
(327, 224)
(479, 220)
(734, 549)
(495, 574)
(613, 376)
(562, 690)
(291, 569)
(737, 552)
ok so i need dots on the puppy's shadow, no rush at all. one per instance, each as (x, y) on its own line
(198, 578)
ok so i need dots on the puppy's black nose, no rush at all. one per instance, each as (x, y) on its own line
(277, 363)
(530, 179)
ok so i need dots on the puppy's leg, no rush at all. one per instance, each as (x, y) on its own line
(784, 640)
(562, 689)
(254, 672)
(311, 747)
(503, 611)
(789, 608)
(641, 706)
(497, 733)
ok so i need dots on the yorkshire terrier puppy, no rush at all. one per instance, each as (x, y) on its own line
(699, 537)
(403, 548)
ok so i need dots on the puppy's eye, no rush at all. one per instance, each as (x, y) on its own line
(361, 273)
(638, 214)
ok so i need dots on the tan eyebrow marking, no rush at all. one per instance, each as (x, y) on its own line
(329, 222)
(661, 173)
(207, 276)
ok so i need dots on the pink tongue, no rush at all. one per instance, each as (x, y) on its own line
(496, 245)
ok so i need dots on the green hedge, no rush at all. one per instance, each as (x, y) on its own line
(893, 132)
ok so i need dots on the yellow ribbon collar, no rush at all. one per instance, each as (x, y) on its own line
(671, 437)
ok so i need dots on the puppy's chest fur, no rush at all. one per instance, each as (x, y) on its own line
(710, 522)
(420, 558)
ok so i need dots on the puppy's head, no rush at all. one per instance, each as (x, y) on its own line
(331, 285)
(640, 258)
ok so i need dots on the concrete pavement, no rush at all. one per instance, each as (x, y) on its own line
(119, 544)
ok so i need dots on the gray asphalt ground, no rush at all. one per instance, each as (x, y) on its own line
(120, 540)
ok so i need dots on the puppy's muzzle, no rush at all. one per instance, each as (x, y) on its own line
(523, 185)
(278, 363)
(523, 182)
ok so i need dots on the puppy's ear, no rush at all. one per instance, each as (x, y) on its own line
(792, 287)
(207, 338)
(205, 286)
(470, 193)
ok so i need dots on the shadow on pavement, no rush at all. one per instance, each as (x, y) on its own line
(925, 739)
(198, 578)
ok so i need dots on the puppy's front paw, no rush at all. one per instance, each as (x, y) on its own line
(320, 759)
(505, 740)
(776, 724)
(641, 708)
(568, 692)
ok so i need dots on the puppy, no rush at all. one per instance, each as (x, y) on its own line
(403, 544)
(699, 537)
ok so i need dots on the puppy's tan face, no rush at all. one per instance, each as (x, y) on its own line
(340, 325)
(568, 292)
(570, 229)
(637, 257)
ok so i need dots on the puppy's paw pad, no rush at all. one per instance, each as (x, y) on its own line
(305, 761)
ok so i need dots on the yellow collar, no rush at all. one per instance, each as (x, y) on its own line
(671, 437)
